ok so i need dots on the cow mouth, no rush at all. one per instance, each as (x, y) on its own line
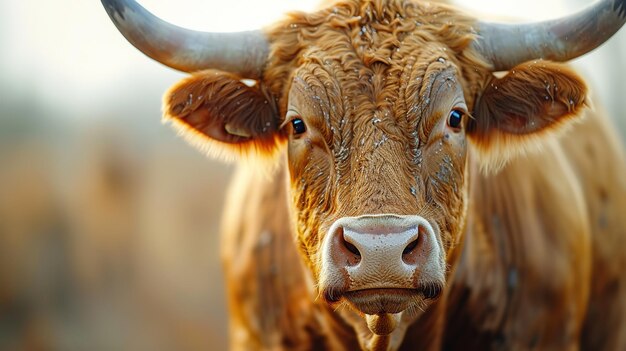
(390, 300)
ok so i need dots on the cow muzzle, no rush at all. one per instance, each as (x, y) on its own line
(382, 264)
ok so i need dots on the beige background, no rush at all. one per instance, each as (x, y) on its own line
(108, 221)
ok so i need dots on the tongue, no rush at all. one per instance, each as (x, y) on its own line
(382, 324)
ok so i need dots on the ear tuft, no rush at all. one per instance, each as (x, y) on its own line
(223, 116)
(516, 113)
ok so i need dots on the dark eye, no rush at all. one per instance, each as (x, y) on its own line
(455, 119)
(298, 126)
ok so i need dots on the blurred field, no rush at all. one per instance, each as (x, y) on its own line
(108, 221)
(109, 241)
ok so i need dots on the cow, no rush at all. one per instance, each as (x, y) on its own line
(411, 177)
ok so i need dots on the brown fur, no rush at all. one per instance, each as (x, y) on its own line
(201, 107)
(374, 83)
(534, 101)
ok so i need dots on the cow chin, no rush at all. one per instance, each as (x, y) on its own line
(391, 300)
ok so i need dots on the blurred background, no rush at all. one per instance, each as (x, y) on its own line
(108, 221)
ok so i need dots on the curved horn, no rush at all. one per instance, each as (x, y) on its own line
(563, 39)
(244, 53)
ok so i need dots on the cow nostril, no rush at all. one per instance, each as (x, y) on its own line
(409, 254)
(407, 250)
(352, 248)
(351, 253)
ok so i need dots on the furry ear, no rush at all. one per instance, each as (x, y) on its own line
(223, 116)
(531, 102)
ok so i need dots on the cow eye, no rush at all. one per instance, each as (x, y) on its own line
(455, 118)
(298, 126)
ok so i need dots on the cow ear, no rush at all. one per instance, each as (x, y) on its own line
(221, 115)
(531, 102)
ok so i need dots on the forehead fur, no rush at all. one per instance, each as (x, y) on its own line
(373, 38)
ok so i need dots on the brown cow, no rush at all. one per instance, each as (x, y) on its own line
(393, 150)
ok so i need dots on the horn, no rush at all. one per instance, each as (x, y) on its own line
(563, 39)
(243, 53)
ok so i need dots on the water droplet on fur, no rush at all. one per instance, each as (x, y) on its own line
(381, 141)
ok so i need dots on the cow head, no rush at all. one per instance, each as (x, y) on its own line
(385, 108)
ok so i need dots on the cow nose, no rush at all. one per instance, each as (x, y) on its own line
(374, 243)
(376, 252)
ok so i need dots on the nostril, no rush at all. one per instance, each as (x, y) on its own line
(352, 248)
(350, 251)
(410, 252)
(409, 248)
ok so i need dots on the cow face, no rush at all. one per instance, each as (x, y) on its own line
(377, 158)
(385, 112)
